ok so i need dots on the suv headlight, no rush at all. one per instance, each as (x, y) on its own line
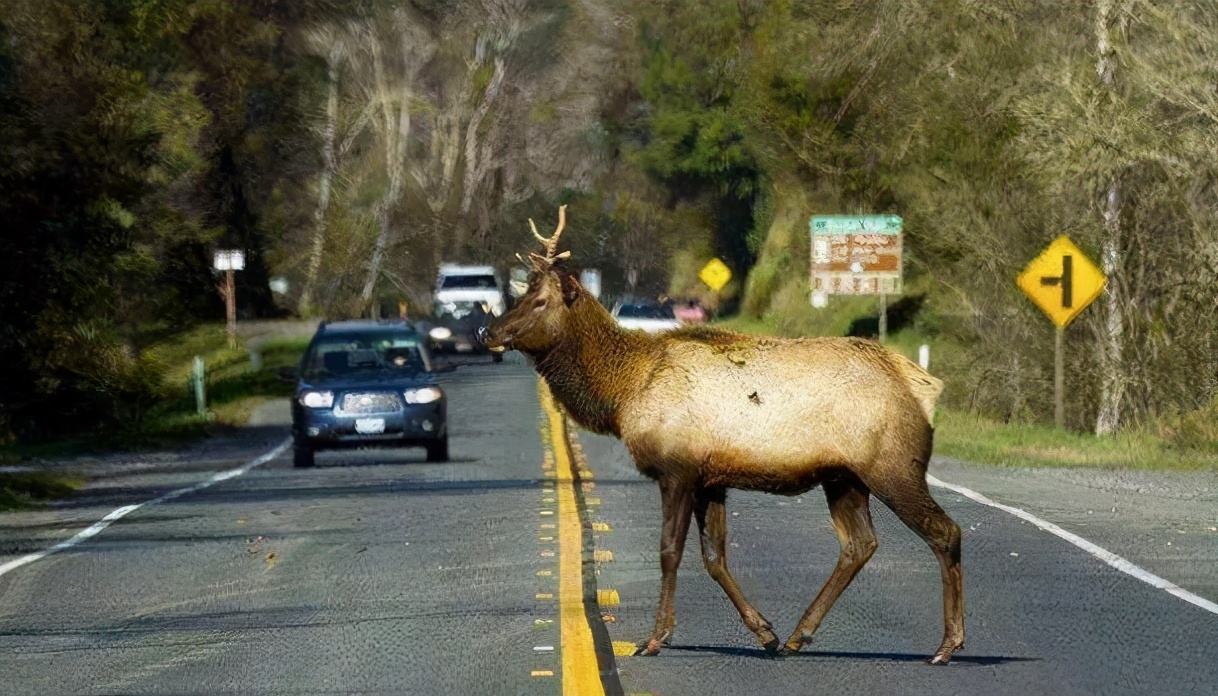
(440, 333)
(423, 395)
(317, 399)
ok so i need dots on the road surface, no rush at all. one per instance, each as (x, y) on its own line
(520, 566)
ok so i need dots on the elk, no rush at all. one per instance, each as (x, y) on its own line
(702, 410)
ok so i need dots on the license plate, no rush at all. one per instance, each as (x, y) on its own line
(369, 426)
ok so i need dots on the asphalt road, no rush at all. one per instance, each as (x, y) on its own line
(379, 573)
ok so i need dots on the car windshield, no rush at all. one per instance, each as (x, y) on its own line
(342, 355)
(642, 311)
(459, 310)
(468, 282)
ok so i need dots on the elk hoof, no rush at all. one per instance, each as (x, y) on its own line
(944, 655)
(649, 647)
(791, 647)
(769, 641)
(654, 644)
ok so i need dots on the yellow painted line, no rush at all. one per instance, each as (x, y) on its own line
(601, 527)
(602, 556)
(580, 672)
(623, 648)
(608, 598)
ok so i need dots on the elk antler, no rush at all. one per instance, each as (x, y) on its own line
(550, 243)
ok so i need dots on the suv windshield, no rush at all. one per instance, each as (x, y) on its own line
(469, 282)
(460, 309)
(381, 353)
(639, 311)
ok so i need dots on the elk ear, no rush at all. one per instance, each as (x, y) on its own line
(570, 289)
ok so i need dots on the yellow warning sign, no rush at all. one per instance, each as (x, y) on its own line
(715, 274)
(1062, 281)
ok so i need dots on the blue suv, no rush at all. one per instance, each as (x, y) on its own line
(368, 383)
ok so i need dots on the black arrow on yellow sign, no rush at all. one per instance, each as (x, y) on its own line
(1065, 280)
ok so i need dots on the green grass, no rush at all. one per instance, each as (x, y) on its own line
(20, 490)
(977, 439)
(234, 390)
(234, 387)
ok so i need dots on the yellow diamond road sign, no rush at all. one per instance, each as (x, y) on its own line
(1062, 281)
(715, 274)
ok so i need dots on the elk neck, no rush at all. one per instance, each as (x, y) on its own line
(597, 365)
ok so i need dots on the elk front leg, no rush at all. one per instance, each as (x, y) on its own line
(711, 513)
(848, 506)
(677, 499)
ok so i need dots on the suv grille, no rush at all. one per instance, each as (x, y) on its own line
(358, 403)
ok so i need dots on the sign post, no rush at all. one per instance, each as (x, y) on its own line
(1062, 281)
(856, 255)
(229, 260)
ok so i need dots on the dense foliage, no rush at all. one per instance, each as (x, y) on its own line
(350, 147)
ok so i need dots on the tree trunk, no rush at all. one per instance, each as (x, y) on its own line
(1111, 338)
(396, 136)
(329, 168)
(476, 166)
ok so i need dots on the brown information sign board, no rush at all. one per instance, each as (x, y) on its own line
(856, 254)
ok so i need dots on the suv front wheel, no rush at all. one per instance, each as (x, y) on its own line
(438, 451)
(302, 456)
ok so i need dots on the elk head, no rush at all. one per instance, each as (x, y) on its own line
(538, 319)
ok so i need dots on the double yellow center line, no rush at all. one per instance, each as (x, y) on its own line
(580, 670)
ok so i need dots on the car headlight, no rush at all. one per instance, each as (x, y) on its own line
(423, 395)
(440, 333)
(317, 399)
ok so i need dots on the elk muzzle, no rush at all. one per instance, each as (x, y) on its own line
(494, 343)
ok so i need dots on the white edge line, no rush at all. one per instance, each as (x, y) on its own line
(1099, 552)
(119, 513)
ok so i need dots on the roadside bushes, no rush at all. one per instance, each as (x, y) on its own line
(89, 379)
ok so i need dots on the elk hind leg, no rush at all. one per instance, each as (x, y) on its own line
(851, 513)
(910, 499)
(711, 513)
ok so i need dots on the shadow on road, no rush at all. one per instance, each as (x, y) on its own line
(847, 655)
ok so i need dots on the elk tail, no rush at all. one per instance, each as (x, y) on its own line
(924, 386)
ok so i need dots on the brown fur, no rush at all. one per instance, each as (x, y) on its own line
(702, 410)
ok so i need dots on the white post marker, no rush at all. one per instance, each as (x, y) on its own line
(119, 513)
(924, 356)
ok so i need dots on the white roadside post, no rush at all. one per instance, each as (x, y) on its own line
(229, 260)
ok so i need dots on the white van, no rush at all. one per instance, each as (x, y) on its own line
(462, 284)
